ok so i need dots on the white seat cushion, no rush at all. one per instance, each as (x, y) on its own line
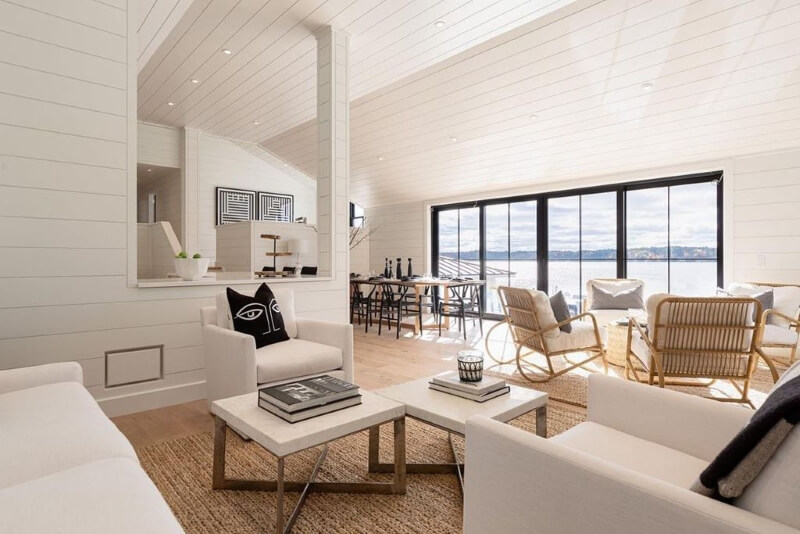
(113, 495)
(295, 357)
(778, 335)
(49, 428)
(582, 335)
(633, 453)
(606, 316)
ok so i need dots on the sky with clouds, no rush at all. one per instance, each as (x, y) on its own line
(685, 214)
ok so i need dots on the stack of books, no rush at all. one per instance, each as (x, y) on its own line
(486, 389)
(303, 399)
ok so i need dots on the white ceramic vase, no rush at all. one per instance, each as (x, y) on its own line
(190, 269)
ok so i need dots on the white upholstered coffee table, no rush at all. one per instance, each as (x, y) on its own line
(282, 439)
(450, 413)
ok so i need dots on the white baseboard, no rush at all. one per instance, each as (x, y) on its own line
(150, 400)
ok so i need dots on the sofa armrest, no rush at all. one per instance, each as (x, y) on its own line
(520, 483)
(338, 335)
(230, 359)
(39, 375)
(693, 425)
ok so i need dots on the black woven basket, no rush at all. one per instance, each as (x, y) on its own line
(470, 365)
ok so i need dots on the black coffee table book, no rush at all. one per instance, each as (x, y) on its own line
(302, 399)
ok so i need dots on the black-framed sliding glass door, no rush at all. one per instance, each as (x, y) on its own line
(667, 232)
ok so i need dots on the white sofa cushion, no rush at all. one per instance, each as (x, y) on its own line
(285, 298)
(49, 428)
(295, 357)
(786, 300)
(779, 335)
(112, 495)
(604, 317)
(582, 335)
(636, 454)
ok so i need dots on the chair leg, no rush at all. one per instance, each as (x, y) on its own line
(399, 307)
(380, 318)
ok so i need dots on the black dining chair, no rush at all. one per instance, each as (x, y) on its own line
(464, 302)
(359, 306)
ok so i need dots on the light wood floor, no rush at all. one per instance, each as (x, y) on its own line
(379, 361)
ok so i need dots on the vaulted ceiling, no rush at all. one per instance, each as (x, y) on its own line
(506, 93)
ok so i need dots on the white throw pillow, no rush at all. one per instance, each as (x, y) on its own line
(775, 493)
(612, 286)
(786, 300)
(545, 313)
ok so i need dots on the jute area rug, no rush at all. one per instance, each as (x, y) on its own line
(181, 469)
(571, 388)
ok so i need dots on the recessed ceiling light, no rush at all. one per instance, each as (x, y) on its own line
(647, 86)
(170, 103)
(440, 24)
(533, 116)
(256, 123)
(380, 158)
(149, 170)
(453, 139)
(285, 164)
(193, 80)
(227, 51)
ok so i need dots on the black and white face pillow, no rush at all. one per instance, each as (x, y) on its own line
(259, 315)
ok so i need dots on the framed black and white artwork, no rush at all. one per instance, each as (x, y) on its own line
(235, 205)
(275, 207)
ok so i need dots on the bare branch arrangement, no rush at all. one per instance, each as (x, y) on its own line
(359, 234)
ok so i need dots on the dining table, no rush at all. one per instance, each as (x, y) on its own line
(419, 285)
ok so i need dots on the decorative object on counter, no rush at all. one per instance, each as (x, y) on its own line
(299, 246)
(359, 234)
(399, 269)
(470, 365)
(386, 267)
(390, 271)
(301, 220)
(274, 254)
(191, 269)
(409, 272)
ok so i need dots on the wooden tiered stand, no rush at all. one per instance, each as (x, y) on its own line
(274, 254)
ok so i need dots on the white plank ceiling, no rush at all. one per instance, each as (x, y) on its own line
(501, 96)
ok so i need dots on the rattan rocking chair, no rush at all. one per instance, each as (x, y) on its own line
(695, 341)
(534, 330)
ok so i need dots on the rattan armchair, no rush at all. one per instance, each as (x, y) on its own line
(534, 330)
(779, 335)
(701, 339)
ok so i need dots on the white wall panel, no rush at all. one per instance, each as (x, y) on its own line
(67, 209)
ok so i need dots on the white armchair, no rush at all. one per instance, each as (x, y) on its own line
(628, 468)
(234, 366)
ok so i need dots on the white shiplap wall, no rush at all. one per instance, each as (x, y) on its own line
(159, 145)
(766, 215)
(222, 163)
(400, 233)
(761, 215)
(68, 208)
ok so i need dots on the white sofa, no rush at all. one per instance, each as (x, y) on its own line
(626, 469)
(234, 366)
(64, 466)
